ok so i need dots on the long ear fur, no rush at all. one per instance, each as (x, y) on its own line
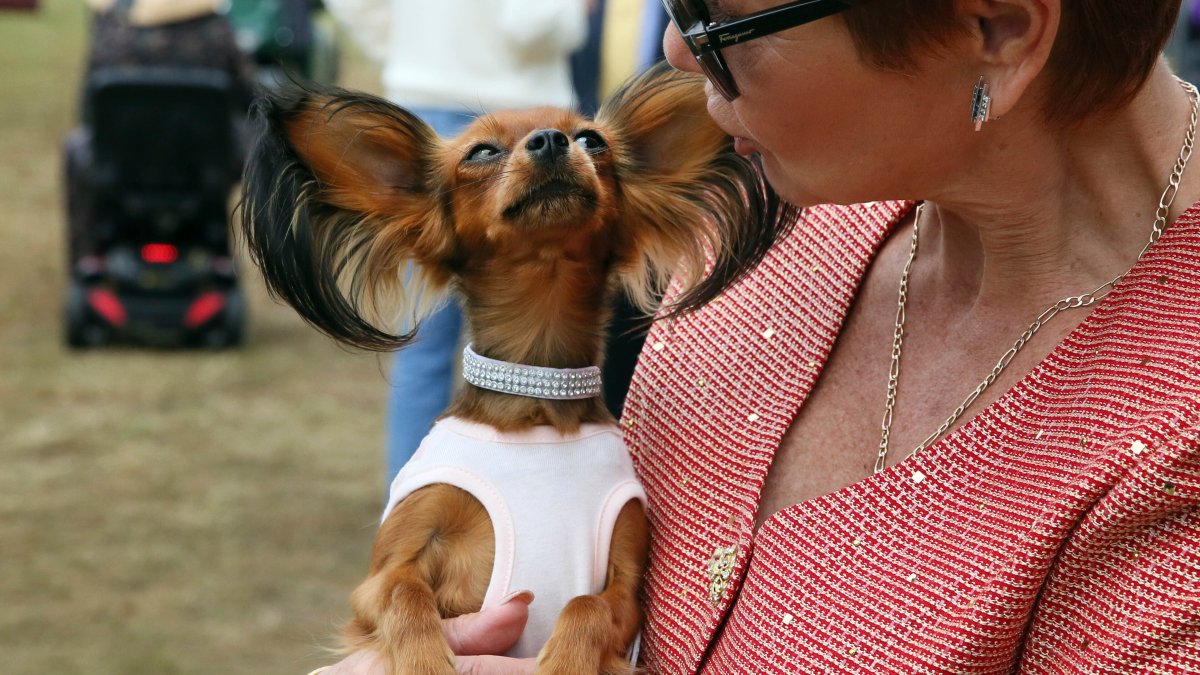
(686, 195)
(340, 191)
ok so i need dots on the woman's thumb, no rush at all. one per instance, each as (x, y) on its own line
(490, 631)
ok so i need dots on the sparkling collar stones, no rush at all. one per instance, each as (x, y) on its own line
(559, 384)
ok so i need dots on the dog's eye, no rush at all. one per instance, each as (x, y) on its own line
(483, 152)
(590, 141)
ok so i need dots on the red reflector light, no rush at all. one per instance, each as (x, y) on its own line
(160, 254)
(204, 308)
(107, 305)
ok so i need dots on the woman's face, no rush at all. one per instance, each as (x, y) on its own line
(829, 127)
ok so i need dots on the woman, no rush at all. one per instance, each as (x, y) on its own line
(156, 33)
(189, 33)
(1051, 524)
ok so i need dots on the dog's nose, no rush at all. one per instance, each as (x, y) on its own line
(548, 145)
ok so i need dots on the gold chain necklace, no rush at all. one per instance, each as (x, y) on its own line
(1084, 300)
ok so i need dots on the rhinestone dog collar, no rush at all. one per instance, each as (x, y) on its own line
(560, 384)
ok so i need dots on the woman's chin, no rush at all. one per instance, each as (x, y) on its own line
(785, 186)
(744, 146)
(791, 186)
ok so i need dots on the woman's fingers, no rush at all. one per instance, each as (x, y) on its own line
(476, 638)
(493, 665)
(358, 663)
(490, 631)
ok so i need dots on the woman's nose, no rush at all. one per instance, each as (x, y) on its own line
(677, 53)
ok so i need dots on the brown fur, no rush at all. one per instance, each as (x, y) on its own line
(536, 271)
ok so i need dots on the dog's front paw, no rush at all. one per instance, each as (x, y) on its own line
(413, 659)
(584, 641)
(574, 665)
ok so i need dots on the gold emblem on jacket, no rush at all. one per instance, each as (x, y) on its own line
(720, 569)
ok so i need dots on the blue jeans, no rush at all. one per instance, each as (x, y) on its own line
(422, 376)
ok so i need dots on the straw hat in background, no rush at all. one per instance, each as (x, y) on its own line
(159, 12)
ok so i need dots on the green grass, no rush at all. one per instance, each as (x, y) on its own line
(162, 511)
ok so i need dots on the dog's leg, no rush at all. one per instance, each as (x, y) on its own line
(594, 631)
(432, 559)
(408, 628)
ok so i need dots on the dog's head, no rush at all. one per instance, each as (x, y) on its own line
(344, 190)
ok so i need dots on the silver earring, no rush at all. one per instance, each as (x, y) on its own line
(981, 104)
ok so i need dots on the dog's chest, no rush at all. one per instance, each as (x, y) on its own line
(552, 501)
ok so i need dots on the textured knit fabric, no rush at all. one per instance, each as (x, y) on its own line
(553, 501)
(1054, 532)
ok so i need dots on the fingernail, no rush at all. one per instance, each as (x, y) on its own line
(519, 596)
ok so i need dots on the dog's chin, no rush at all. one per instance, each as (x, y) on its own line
(553, 203)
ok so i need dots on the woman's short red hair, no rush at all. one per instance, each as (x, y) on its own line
(1104, 52)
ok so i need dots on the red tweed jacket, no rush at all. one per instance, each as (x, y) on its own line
(1058, 531)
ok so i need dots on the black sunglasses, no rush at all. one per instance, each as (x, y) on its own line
(706, 39)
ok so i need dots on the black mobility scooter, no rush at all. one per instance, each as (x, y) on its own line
(149, 250)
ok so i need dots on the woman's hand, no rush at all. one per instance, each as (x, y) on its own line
(475, 638)
(358, 663)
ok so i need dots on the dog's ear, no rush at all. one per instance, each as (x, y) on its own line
(689, 202)
(341, 191)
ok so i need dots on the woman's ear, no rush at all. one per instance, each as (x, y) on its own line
(1012, 40)
(341, 191)
(689, 203)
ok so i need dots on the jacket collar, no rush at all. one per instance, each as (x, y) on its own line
(729, 386)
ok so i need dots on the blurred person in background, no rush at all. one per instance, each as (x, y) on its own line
(628, 41)
(585, 61)
(448, 62)
(174, 33)
(190, 33)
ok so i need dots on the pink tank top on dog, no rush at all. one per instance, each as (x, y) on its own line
(553, 501)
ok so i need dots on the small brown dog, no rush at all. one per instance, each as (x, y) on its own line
(534, 219)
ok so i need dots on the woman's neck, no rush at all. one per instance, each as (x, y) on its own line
(1063, 211)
